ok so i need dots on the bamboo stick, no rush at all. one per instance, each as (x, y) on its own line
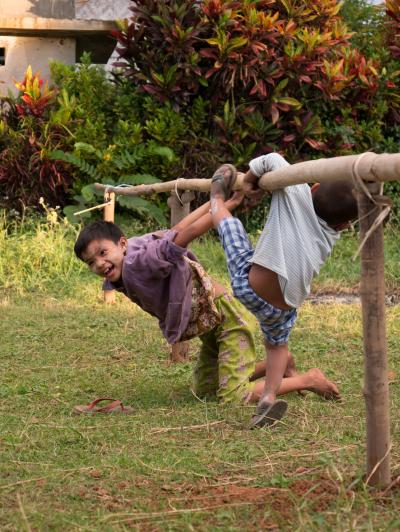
(372, 166)
(376, 385)
(101, 206)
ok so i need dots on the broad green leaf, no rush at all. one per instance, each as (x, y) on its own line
(83, 146)
(163, 151)
(289, 101)
(69, 211)
(281, 85)
(87, 193)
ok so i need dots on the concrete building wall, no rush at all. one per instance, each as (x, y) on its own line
(34, 51)
(103, 10)
(38, 8)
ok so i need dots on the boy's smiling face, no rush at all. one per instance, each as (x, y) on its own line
(105, 257)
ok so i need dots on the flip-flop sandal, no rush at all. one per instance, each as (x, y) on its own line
(225, 178)
(268, 414)
(115, 407)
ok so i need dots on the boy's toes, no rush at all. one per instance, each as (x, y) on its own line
(268, 414)
(223, 180)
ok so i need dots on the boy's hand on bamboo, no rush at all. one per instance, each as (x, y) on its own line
(235, 200)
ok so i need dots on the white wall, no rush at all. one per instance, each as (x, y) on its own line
(34, 51)
(38, 8)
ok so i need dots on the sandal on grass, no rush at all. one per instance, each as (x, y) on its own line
(115, 407)
(268, 414)
(223, 180)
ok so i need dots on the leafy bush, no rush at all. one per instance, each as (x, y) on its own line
(393, 27)
(110, 167)
(377, 35)
(57, 142)
(200, 83)
(29, 129)
(270, 70)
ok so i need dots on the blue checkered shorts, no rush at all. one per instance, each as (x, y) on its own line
(275, 323)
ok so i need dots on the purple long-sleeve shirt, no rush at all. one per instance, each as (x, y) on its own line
(157, 278)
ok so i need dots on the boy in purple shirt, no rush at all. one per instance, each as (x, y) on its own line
(158, 273)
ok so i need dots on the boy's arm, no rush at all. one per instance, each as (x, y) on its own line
(201, 211)
(260, 166)
(267, 163)
(192, 217)
(203, 223)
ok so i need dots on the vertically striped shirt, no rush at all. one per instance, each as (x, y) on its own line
(295, 242)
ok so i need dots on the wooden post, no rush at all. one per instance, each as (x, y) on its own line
(376, 386)
(108, 216)
(180, 207)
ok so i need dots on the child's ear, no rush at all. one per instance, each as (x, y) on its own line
(123, 242)
(314, 187)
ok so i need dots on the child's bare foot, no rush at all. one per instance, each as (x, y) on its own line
(320, 385)
(222, 181)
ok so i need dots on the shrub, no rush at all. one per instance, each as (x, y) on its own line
(29, 129)
(270, 70)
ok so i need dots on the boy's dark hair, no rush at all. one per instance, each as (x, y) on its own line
(98, 230)
(335, 203)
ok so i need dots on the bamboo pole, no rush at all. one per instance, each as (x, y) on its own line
(108, 216)
(376, 386)
(373, 167)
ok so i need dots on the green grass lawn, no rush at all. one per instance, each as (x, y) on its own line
(176, 463)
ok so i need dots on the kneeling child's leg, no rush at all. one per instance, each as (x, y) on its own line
(205, 373)
(236, 358)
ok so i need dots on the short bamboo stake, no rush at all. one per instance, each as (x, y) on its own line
(179, 205)
(108, 216)
(376, 385)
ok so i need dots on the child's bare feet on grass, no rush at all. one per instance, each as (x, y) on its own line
(319, 384)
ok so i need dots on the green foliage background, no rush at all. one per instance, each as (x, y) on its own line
(105, 127)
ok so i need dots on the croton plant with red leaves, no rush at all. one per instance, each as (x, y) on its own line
(26, 136)
(280, 59)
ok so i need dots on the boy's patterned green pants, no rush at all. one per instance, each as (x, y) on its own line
(227, 356)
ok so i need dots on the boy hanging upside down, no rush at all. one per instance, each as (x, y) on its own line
(157, 272)
(274, 279)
